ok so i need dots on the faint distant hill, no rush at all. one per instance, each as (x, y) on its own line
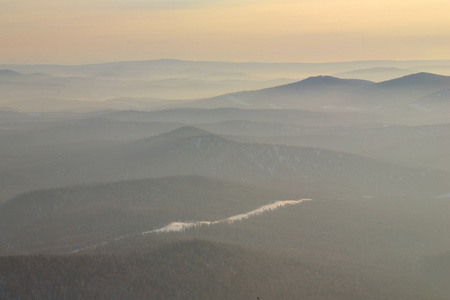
(169, 67)
(222, 114)
(178, 80)
(95, 129)
(376, 74)
(51, 104)
(175, 79)
(7, 75)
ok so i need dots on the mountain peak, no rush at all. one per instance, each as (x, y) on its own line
(181, 133)
(185, 131)
(325, 80)
(422, 78)
(9, 73)
(321, 79)
(376, 74)
(426, 75)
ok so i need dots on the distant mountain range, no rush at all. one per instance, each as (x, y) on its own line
(322, 92)
(415, 98)
(173, 66)
(9, 75)
(404, 97)
(142, 84)
(376, 74)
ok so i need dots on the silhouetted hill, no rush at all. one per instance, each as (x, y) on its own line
(376, 74)
(181, 132)
(417, 81)
(392, 101)
(9, 74)
(324, 82)
(311, 94)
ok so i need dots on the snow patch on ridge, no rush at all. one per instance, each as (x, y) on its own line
(238, 101)
(419, 107)
(443, 196)
(182, 226)
(274, 106)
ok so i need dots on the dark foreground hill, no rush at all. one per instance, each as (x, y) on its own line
(197, 270)
(65, 219)
(436, 269)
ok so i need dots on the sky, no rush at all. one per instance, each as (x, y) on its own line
(91, 31)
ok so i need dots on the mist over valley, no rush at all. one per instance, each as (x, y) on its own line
(173, 179)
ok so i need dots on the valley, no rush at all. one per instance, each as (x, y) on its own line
(170, 179)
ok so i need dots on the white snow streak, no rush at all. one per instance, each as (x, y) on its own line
(419, 107)
(238, 101)
(274, 106)
(182, 226)
(443, 196)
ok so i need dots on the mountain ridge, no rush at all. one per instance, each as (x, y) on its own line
(416, 80)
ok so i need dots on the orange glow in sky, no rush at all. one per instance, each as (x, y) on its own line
(55, 31)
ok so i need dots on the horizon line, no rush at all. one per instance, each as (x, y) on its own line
(224, 62)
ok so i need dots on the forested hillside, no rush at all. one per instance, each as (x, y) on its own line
(197, 270)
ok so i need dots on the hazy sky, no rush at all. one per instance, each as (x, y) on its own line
(83, 31)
